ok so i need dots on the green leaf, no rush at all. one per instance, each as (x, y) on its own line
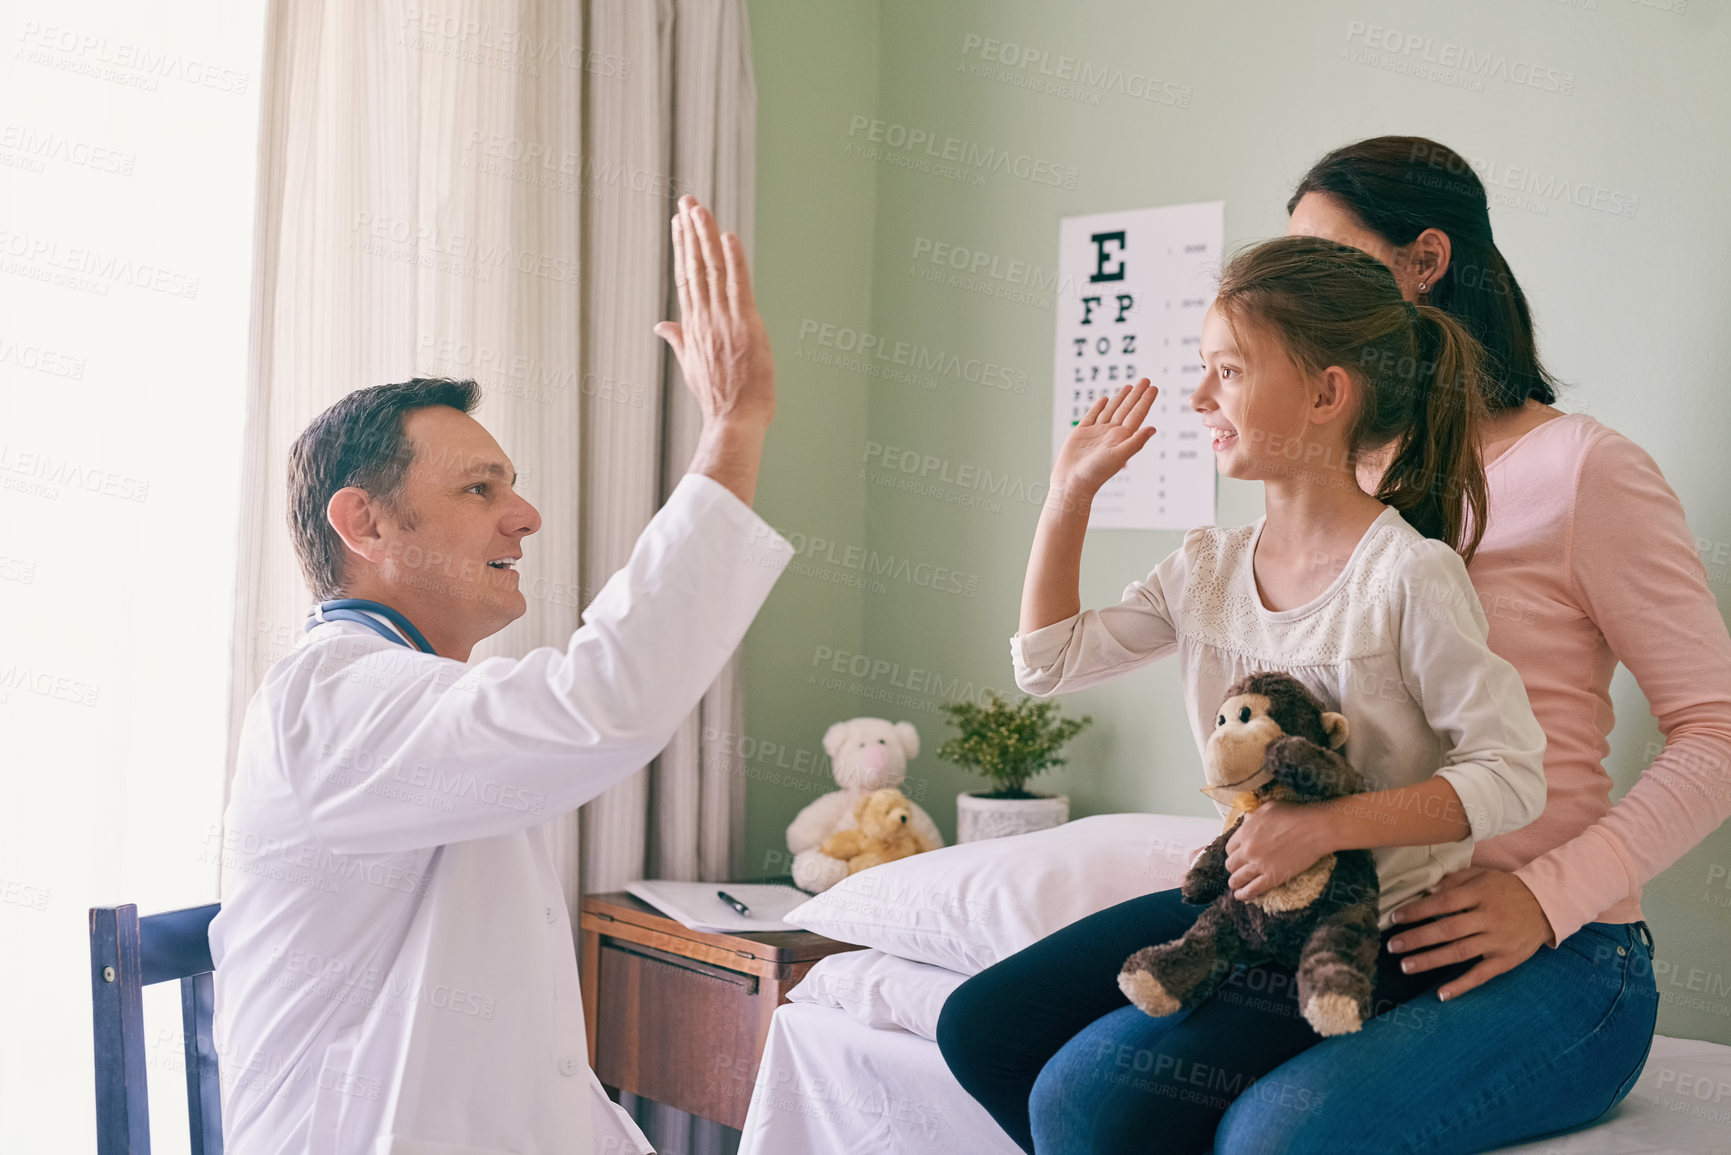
(1007, 743)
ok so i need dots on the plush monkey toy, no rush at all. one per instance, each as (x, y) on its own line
(1273, 741)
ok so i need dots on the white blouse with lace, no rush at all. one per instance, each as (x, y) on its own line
(1396, 643)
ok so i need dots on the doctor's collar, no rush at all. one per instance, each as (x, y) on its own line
(361, 611)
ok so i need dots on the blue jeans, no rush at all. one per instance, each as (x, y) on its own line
(1048, 1046)
(1550, 1045)
(1047, 1043)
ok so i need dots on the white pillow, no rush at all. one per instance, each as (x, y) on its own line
(880, 990)
(966, 907)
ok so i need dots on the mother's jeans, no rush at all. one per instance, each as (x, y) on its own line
(1550, 1045)
(1046, 1042)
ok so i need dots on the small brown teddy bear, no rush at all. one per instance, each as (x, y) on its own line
(1273, 741)
(883, 833)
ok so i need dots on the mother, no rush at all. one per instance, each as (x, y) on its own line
(1586, 561)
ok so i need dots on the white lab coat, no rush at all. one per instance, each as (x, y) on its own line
(395, 972)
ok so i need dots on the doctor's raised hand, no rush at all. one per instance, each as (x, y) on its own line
(722, 347)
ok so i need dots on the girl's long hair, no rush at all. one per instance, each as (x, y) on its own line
(1399, 186)
(1419, 371)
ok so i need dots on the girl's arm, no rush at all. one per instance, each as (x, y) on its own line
(1493, 776)
(1100, 445)
(1051, 589)
(1423, 814)
(1474, 700)
(1058, 647)
(1279, 839)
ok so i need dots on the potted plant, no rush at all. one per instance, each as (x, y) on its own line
(1008, 744)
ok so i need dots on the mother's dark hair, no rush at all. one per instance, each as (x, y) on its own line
(1399, 186)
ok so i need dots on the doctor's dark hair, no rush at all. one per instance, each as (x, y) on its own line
(359, 441)
(1417, 368)
(1399, 186)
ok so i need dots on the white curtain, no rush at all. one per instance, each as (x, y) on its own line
(484, 191)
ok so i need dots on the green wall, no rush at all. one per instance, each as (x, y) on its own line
(1228, 101)
(813, 254)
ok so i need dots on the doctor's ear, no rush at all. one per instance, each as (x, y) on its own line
(353, 516)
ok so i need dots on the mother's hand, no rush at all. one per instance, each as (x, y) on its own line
(1490, 915)
(1274, 842)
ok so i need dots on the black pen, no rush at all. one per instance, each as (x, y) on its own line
(733, 902)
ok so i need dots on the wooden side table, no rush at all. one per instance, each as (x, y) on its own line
(680, 1016)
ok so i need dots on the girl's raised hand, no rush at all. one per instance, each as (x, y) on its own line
(1106, 438)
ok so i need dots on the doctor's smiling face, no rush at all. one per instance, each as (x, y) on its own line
(444, 548)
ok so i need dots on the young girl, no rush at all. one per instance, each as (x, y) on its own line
(1310, 356)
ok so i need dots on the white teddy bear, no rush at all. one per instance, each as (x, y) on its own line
(865, 754)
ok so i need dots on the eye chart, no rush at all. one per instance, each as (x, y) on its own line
(1136, 287)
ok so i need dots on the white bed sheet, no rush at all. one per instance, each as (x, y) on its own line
(880, 990)
(830, 1085)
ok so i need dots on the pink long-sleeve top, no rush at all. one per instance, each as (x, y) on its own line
(1587, 561)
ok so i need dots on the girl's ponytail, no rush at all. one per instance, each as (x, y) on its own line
(1435, 478)
(1421, 371)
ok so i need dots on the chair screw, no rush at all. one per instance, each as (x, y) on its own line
(107, 974)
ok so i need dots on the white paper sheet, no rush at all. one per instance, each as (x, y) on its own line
(698, 906)
(1142, 281)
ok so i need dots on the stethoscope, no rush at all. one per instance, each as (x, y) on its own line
(349, 610)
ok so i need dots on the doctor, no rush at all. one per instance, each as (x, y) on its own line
(394, 964)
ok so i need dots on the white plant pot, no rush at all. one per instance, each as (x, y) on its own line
(981, 818)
